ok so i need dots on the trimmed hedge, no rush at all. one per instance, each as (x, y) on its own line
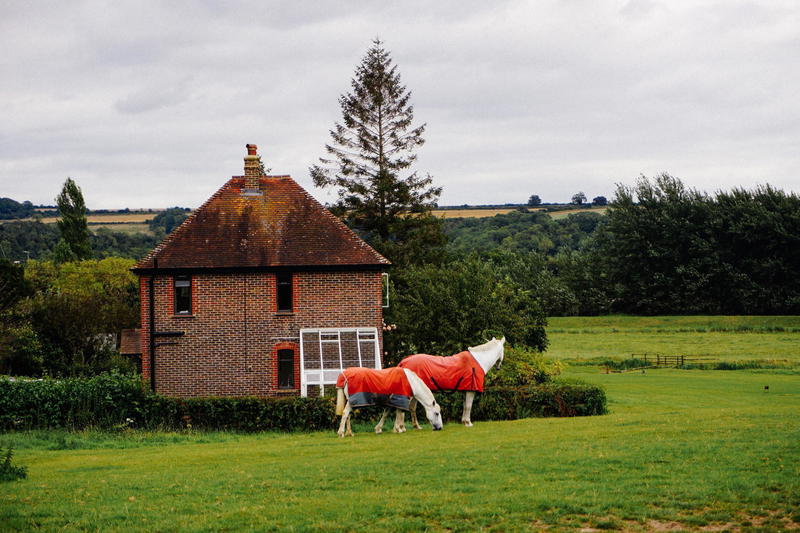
(118, 402)
(556, 398)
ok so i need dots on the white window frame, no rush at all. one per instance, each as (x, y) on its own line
(328, 375)
(385, 289)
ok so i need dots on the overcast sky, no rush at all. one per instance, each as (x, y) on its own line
(150, 104)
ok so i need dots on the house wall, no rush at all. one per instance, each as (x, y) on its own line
(234, 332)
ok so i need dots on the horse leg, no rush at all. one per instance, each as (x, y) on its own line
(349, 429)
(465, 417)
(399, 421)
(345, 424)
(412, 406)
(379, 427)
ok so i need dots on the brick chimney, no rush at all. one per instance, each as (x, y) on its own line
(252, 168)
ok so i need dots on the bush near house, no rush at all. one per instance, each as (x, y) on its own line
(112, 401)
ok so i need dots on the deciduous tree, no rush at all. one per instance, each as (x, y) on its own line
(578, 198)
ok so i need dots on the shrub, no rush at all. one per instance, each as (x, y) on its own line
(9, 471)
(113, 401)
(557, 398)
(522, 367)
(101, 401)
(259, 414)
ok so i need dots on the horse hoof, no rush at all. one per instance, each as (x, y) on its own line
(378, 431)
(467, 424)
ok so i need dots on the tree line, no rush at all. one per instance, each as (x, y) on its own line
(666, 248)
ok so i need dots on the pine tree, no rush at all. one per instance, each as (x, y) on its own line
(72, 224)
(372, 147)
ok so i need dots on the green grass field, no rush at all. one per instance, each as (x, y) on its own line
(693, 450)
(727, 338)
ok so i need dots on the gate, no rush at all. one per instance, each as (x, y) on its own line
(325, 352)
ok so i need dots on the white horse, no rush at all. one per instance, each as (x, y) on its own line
(452, 373)
(392, 387)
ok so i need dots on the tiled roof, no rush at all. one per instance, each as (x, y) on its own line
(283, 226)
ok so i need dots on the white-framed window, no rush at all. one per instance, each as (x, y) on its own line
(325, 352)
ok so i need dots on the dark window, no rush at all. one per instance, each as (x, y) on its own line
(183, 295)
(284, 291)
(286, 369)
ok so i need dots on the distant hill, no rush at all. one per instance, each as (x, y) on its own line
(11, 209)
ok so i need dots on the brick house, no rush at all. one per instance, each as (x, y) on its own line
(260, 292)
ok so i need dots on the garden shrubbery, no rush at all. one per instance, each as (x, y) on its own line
(556, 398)
(118, 402)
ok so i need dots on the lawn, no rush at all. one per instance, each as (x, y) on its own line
(680, 449)
(727, 338)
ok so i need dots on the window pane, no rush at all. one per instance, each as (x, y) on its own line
(286, 369)
(183, 295)
(284, 291)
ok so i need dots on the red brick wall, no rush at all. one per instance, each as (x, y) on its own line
(231, 339)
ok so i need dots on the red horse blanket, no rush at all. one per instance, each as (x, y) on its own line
(459, 372)
(367, 386)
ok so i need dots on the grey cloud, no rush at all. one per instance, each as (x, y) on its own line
(150, 98)
(150, 104)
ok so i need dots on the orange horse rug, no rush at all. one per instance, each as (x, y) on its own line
(367, 386)
(459, 372)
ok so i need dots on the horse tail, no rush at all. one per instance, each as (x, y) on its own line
(339, 401)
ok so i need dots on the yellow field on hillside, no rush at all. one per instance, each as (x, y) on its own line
(563, 214)
(110, 218)
(476, 212)
(133, 227)
(471, 212)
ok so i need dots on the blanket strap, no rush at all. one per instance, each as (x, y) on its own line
(454, 389)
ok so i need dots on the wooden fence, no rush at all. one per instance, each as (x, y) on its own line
(660, 360)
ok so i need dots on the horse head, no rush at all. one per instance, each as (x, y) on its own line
(502, 344)
(425, 397)
(489, 353)
(434, 414)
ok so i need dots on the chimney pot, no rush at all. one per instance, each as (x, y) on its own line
(251, 149)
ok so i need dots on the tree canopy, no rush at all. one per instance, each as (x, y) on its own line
(369, 162)
(578, 198)
(74, 243)
(11, 209)
(670, 249)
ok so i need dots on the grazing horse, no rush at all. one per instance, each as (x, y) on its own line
(463, 371)
(391, 387)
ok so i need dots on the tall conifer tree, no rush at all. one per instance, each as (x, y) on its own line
(373, 147)
(74, 244)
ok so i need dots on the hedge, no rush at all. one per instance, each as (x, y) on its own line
(558, 398)
(118, 402)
